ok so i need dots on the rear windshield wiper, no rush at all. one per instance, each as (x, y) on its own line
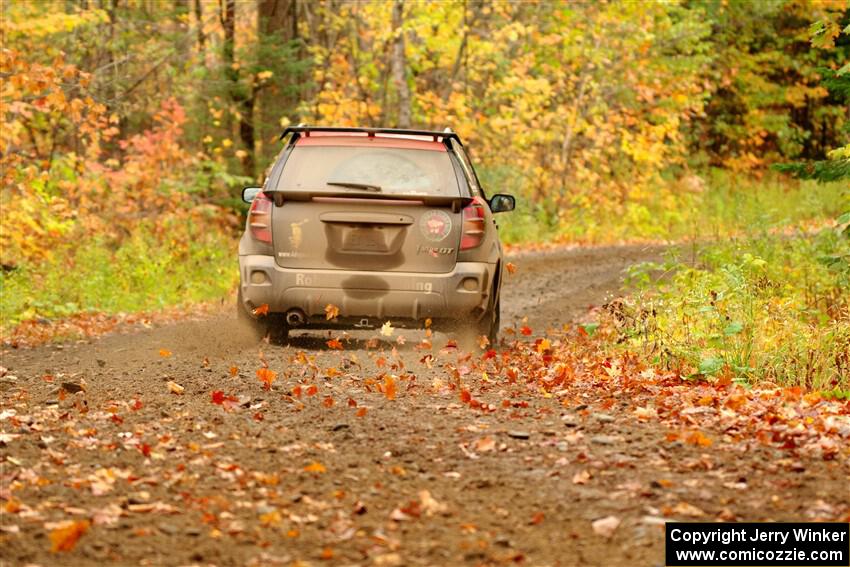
(353, 185)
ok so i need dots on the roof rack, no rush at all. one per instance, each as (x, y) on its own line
(301, 129)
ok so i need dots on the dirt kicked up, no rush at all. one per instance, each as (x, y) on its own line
(188, 444)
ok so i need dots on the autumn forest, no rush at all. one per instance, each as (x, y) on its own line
(676, 289)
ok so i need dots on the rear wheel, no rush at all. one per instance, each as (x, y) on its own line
(489, 324)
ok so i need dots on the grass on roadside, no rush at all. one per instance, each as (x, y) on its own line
(761, 309)
(146, 273)
(717, 205)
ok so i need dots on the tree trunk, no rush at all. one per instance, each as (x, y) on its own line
(277, 27)
(399, 66)
(278, 17)
(199, 17)
(242, 96)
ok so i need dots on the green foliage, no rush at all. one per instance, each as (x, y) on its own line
(144, 273)
(717, 205)
(768, 308)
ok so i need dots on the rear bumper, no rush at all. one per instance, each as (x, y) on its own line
(367, 294)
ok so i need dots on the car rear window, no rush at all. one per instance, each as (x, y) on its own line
(397, 171)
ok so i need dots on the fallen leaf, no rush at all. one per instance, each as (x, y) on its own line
(525, 330)
(537, 519)
(387, 329)
(698, 438)
(361, 412)
(219, 398)
(234, 371)
(605, 527)
(334, 344)
(65, 537)
(485, 444)
(164, 352)
(331, 311)
(175, 388)
(685, 509)
(266, 376)
(643, 413)
(581, 477)
(315, 467)
(430, 505)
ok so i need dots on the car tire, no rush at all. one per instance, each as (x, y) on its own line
(490, 323)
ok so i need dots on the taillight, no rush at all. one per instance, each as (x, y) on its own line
(473, 225)
(260, 218)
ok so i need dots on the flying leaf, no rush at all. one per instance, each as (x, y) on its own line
(261, 310)
(331, 311)
(334, 344)
(389, 387)
(65, 537)
(164, 352)
(511, 267)
(387, 329)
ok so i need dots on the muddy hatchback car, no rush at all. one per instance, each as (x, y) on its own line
(385, 225)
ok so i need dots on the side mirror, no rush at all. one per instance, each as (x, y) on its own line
(249, 193)
(501, 203)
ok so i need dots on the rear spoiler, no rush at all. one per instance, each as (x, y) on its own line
(455, 202)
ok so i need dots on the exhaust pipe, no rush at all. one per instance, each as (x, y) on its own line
(295, 318)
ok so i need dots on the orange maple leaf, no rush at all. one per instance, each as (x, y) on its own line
(334, 344)
(234, 371)
(698, 438)
(164, 352)
(525, 330)
(361, 412)
(511, 267)
(261, 310)
(328, 402)
(266, 376)
(66, 537)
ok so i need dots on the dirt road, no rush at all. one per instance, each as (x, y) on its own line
(364, 455)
